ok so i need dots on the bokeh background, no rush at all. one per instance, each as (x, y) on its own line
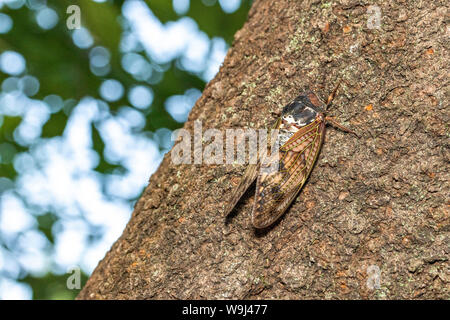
(85, 118)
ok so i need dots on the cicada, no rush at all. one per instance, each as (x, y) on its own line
(300, 132)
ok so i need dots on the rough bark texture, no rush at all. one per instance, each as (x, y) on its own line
(378, 200)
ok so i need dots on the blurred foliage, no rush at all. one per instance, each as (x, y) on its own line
(52, 286)
(63, 69)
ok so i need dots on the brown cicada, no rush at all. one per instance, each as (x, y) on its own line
(301, 130)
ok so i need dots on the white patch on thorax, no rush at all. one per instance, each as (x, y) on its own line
(289, 124)
(289, 119)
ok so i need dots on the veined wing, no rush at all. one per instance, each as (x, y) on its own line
(276, 190)
(249, 177)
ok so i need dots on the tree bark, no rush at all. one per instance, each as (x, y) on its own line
(374, 203)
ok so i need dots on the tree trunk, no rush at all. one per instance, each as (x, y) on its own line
(373, 218)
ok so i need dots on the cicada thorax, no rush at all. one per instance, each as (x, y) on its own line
(305, 109)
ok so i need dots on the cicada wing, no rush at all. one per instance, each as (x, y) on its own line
(276, 190)
(249, 177)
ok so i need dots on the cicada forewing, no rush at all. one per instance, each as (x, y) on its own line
(276, 190)
(248, 178)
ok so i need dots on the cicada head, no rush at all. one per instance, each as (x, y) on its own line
(303, 110)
